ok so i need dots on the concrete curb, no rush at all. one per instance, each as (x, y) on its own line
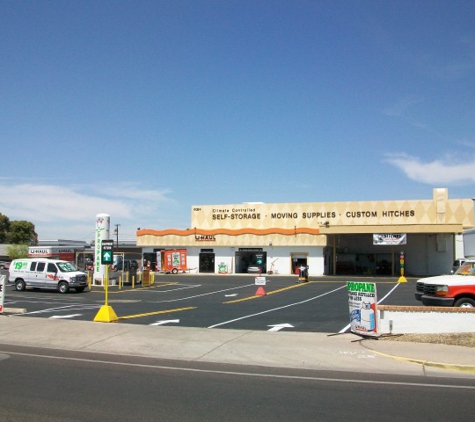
(14, 310)
(466, 369)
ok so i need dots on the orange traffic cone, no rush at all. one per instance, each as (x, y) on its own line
(260, 291)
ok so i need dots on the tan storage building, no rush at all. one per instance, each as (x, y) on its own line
(351, 238)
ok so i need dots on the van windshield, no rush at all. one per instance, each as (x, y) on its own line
(67, 267)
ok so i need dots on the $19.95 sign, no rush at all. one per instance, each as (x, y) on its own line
(362, 301)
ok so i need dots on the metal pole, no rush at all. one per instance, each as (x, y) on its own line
(117, 235)
(334, 254)
(106, 285)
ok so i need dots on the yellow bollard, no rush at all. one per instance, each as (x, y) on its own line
(402, 279)
(146, 278)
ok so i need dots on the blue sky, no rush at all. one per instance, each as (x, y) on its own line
(141, 109)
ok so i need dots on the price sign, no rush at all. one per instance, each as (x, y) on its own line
(260, 281)
(107, 252)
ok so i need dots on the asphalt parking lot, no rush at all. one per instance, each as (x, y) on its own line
(209, 301)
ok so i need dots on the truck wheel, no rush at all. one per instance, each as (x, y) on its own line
(20, 285)
(63, 287)
(175, 271)
(465, 302)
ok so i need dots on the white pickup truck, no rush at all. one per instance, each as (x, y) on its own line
(449, 290)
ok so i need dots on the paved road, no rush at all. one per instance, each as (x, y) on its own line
(217, 301)
(56, 385)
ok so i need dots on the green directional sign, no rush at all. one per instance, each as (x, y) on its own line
(107, 252)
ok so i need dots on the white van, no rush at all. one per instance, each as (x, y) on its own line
(44, 273)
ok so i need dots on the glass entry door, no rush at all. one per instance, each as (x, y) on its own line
(207, 262)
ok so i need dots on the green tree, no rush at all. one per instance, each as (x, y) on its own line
(17, 251)
(22, 232)
(4, 227)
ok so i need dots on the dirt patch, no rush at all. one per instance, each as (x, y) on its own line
(457, 339)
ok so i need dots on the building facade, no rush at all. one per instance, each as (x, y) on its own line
(352, 238)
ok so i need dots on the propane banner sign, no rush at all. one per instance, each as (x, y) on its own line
(362, 300)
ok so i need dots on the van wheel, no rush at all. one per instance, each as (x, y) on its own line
(20, 285)
(175, 271)
(465, 302)
(63, 287)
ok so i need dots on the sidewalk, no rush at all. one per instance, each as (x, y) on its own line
(316, 351)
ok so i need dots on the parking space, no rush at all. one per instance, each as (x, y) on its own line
(321, 305)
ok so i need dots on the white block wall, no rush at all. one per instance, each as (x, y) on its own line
(425, 320)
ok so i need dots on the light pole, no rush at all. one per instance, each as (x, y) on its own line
(116, 231)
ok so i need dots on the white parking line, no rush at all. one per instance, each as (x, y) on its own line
(277, 309)
(185, 287)
(204, 294)
(65, 316)
(63, 308)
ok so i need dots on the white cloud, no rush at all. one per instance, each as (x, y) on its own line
(467, 144)
(461, 65)
(68, 212)
(446, 171)
(406, 109)
(400, 108)
(49, 203)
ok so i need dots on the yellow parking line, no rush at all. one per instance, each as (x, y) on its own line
(267, 293)
(157, 313)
